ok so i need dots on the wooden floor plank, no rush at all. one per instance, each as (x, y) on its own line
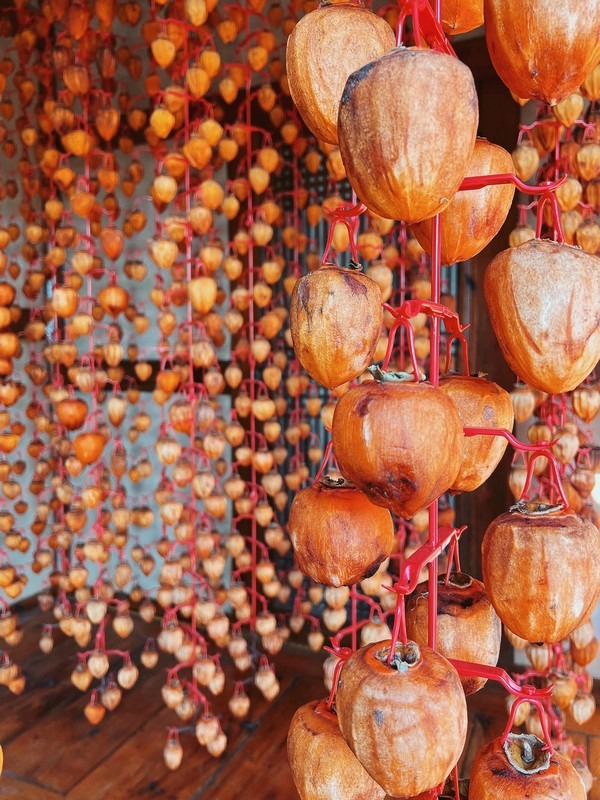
(594, 765)
(48, 694)
(32, 622)
(65, 728)
(273, 781)
(12, 788)
(48, 688)
(47, 721)
(137, 769)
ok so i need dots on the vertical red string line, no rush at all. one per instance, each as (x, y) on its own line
(354, 616)
(251, 320)
(434, 365)
(89, 239)
(402, 362)
(190, 331)
(297, 223)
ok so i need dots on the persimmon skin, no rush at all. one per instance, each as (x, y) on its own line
(549, 332)
(324, 308)
(468, 627)
(406, 726)
(541, 573)
(325, 47)
(481, 404)
(494, 777)
(72, 412)
(521, 33)
(473, 217)
(382, 439)
(323, 766)
(407, 151)
(339, 536)
(461, 16)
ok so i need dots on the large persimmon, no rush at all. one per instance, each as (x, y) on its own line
(523, 767)
(541, 49)
(405, 721)
(324, 48)
(468, 628)
(323, 766)
(407, 126)
(324, 309)
(544, 304)
(540, 567)
(339, 536)
(481, 404)
(474, 216)
(399, 442)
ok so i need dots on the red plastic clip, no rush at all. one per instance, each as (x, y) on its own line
(481, 181)
(343, 654)
(409, 577)
(411, 568)
(526, 693)
(425, 26)
(411, 309)
(536, 451)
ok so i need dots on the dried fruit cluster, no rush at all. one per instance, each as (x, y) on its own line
(149, 240)
(161, 200)
(154, 420)
(399, 704)
(562, 142)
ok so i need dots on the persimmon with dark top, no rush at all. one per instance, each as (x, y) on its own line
(468, 628)
(407, 126)
(522, 767)
(339, 536)
(406, 721)
(399, 442)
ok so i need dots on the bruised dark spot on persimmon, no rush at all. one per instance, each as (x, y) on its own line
(370, 571)
(304, 293)
(354, 286)
(339, 537)
(378, 432)
(363, 407)
(468, 627)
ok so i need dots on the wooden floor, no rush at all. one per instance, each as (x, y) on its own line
(50, 750)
